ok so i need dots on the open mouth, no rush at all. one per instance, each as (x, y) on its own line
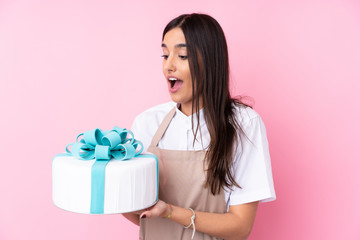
(174, 82)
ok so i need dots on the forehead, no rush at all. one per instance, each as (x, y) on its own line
(174, 39)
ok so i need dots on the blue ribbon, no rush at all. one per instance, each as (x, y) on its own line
(103, 145)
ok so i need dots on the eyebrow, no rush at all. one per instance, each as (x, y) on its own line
(179, 45)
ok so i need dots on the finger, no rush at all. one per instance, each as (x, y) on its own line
(146, 214)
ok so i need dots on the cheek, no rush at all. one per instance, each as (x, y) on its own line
(186, 71)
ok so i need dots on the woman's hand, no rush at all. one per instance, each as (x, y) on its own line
(160, 209)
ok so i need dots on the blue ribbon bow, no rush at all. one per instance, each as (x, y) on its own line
(103, 145)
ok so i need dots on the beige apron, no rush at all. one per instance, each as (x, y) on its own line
(182, 184)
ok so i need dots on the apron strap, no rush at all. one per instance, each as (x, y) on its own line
(162, 128)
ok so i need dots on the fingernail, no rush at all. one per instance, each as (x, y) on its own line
(143, 216)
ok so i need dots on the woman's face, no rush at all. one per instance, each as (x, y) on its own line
(176, 67)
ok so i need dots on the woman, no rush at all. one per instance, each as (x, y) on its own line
(214, 159)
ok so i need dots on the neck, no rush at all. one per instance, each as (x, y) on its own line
(186, 108)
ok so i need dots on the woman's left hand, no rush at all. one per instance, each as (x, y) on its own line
(160, 209)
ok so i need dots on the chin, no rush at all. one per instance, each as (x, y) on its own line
(175, 99)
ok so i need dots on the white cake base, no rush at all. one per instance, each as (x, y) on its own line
(130, 185)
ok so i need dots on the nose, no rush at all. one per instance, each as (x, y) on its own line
(169, 64)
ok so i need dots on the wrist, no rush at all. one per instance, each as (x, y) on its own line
(168, 211)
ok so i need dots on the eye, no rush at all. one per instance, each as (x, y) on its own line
(183, 57)
(164, 56)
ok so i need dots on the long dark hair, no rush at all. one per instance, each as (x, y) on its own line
(209, 66)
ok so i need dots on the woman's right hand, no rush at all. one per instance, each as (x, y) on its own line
(135, 216)
(160, 209)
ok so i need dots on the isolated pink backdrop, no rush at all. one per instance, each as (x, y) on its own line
(70, 66)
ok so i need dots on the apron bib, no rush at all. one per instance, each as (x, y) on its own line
(182, 183)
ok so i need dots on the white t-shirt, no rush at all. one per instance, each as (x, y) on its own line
(251, 169)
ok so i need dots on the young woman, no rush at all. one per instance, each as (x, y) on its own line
(214, 158)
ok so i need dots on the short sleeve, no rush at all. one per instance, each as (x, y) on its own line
(252, 166)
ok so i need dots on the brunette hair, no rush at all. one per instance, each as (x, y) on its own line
(209, 67)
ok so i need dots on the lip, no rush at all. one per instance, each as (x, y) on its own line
(171, 76)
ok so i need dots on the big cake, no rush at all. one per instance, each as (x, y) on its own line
(104, 173)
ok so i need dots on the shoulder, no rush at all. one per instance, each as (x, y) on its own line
(246, 115)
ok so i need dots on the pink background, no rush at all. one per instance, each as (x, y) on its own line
(71, 66)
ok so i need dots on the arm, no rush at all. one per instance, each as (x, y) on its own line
(234, 225)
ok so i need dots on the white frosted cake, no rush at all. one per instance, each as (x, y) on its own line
(105, 173)
(130, 185)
